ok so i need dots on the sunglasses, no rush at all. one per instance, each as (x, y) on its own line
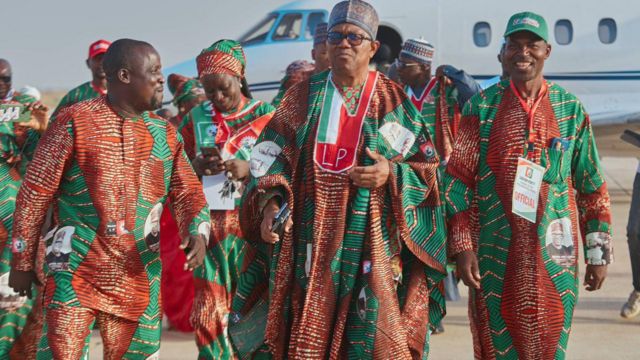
(335, 38)
(5, 79)
(403, 65)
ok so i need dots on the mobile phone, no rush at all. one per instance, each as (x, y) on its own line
(210, 151)
(280, 221)
(14, 113)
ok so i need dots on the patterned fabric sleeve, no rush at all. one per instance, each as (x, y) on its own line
(272, 172)
(414, 198)
(459, 184)
(185, 128)
(592, 197)
(188, 201)
(37, 192)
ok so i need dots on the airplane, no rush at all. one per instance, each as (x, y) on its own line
(595, 46)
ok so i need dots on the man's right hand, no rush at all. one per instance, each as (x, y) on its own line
(468, 269)
(39, 117)
(22, 281)
(208, 165)
(268, 215)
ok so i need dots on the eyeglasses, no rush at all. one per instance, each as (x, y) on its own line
(403, 65)
(5, 79)
(335, 38)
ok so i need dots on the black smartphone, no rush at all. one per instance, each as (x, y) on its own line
(280, 221)
(210, 151)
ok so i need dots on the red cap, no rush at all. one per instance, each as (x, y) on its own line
(98, 47)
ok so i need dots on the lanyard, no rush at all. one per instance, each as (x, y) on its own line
(531, 112)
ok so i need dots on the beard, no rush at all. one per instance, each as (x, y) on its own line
(156, 102)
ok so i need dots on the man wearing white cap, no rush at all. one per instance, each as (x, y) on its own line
(439, 99)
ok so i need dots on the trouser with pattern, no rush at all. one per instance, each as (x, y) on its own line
(68, 329)
(215, 283)
(16, 342)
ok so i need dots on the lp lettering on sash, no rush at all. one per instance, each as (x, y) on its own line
(526, 189)
(336, 158)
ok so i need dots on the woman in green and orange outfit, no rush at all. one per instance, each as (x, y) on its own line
(221, 132)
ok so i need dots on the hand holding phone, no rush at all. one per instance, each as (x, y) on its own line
(209, 162)
(280, 221)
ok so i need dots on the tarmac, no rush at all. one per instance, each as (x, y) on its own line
(598, 331)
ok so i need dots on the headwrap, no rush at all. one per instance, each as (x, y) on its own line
(223, 57)
(183, 88)
(299, 66)
(356, 12)
(320, 34)
(418, 50)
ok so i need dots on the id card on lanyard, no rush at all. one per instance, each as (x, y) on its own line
(528, 181)
(526, 189)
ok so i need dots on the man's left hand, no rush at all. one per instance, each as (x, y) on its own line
(373, 176)
(594, 277)
(441, 76)
(196, 247)
(39, 116)
(239, 169)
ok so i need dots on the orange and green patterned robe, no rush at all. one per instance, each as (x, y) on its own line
(528, 292)
(104, 175)
(353, 278)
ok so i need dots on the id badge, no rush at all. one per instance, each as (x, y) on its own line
(526, 189)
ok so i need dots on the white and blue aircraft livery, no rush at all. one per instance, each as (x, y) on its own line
(595, 54)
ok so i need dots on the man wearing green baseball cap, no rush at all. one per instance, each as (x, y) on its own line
(528, 157)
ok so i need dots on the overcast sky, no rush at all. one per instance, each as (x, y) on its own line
(47, 41)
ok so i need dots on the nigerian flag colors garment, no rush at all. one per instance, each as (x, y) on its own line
(353, 278)
(86, 91)
(108, 185)
(17, 145)
(441, 113)
(529, 271)
(231, 261)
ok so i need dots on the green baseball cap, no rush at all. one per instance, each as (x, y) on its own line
(528, 21)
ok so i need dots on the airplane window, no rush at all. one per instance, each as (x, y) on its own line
(288, 28)
(607, 30)
(482, 34)
(313, 20)
(564, 32)
(259, 33)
